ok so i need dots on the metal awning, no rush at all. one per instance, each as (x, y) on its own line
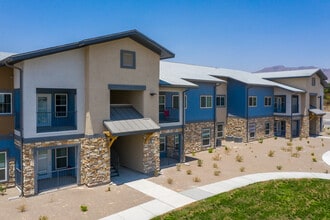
(317, 111)
(131, 126)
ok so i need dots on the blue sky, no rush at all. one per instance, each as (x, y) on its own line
(237, 34)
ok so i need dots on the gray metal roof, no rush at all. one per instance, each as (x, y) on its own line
(123, 112)
(133, 34)
(317, 111)
(184, 75)
(294, 74)
(4, 55)
(131, 127)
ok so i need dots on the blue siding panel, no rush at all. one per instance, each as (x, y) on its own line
(193, 112)
(236, 93)
(261, 110)
(17, 108)
(9, 146)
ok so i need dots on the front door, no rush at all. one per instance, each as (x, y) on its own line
(44, 110)
(295, 128)
(44, 163)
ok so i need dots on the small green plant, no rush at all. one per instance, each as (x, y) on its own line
(322, 144)
(84, 208)
(312, 154)
(289, 143)
(307, 142)
(156, 173)
(216, 172)
(169, 180)
(314, 159)
(242, 169)
(261, 141)
(227, 149)
(275, 138)
(215, 165)
(22, 208)
(199, 163)
(210, 150)
(189, 172)
(279, 167)
(216, 157)
(299, 148)
(193, 153)
(43, 217)
(239, 158)
(296, 155)
(286, 149)
(108, 189)
(178, 167)
(2, 190)
(196, 179)
(271, 153)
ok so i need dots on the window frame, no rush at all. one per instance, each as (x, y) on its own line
(267, 130)
(5, 168)
(206, 132)
(267, 101)
(185, 102)
(281, 106)
(177, 141)
(221, 101)
(4, 104)
(162, 141)
(61, 105)
(253, 102)
(220, 131)
(60, 157)
(297, 108)
(163, 104)
(173, 102)
(208, 100)
(124, 65)
(313, 81)
(252, 130)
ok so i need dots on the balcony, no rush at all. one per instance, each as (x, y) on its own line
(169, 115)
(56, 121)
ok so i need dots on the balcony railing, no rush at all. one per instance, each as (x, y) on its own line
(56, 121)
(169, 115)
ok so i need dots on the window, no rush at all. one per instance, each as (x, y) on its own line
(295, 104)
(252, 130)
(3, 166)
(127, 59)
(252, 101)
(5, 103)
(176, 142)
(206, 101)
(175, 101)
(162, 144)
(61, 105)
(185, 102)
(268, 101)
(267, 128)
(221, 101)
(279, 104)
(61, 158)
(313, 81)
(161, 103)
(279, 128)
(206, 135)
(220, 130)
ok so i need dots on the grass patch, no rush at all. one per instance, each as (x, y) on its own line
(280, 199)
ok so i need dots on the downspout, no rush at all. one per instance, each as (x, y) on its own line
(21, 118)
(291, 120)
(215, 116)
(247, 115)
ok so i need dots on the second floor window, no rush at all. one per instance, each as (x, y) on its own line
(175, 101)
(127, 59)
(206, 101)
(279, 104)
(221, 101)
(252, 101)
(161, 103)
(295, 104)
(268, 101)
(313, 81)
(61, 105)
(5, 103)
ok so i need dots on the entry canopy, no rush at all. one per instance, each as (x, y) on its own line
(131, 126)
(317, 112)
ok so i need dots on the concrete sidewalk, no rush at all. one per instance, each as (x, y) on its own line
(167, 200)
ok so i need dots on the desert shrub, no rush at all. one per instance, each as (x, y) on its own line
(216, 172)
(271, 153)
(296, 155)
(178, 167)
(242, 169)
(279, 167)
(189, 172)
(199, 163)
(289, 143)
(196, 179)
(260, 141)
(314, 159)
(22, 208)
(210, 150)
(216, 157)
(299, 148)
(239, 158)
(84, 208)
(169, 180)
(215, 165)
(43, 217)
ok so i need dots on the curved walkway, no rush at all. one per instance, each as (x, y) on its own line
(167, 200)
(326, 157)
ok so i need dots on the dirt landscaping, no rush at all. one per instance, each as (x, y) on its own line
(230, 160)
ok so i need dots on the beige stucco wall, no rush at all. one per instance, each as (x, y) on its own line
(103, 68)
(221, 113)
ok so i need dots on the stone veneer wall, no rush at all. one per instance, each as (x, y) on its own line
(151, 161)
(169, 134)
(94, 161)
(193, 136)
(11, 174)
(260, 127)
(236, 127)
(304, 126)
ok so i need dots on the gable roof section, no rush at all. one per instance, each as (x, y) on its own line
(294, 74)
(133, 34)
(185, 75)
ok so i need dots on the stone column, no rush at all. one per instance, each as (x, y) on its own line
(28, 170)
(151, 161)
